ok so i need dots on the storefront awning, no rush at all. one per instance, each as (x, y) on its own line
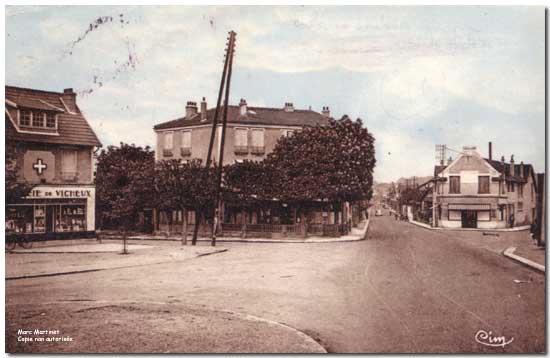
(469, 206)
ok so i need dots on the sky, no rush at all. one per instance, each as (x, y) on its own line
(416, 76)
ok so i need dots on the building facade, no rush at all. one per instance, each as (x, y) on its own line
(251, 134)
(476, 192)
(54, 147)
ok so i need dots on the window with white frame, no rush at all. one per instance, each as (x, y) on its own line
(50, 120)
(37, 119)
(25, 118)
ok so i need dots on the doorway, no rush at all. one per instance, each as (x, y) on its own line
(50, 218)
(469, 219)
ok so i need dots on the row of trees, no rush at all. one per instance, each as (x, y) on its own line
(331, 163)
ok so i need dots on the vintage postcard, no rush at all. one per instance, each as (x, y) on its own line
(275, 179)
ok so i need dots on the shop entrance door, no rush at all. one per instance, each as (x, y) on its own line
(50, 218)
(469, 218)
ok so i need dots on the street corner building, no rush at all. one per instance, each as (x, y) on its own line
(476, 192)
(251, 134)
(54, 154)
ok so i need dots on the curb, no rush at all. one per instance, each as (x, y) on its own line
(312, 240)
(50, 274)
(509, 252)
(426, 226)
(308, 339)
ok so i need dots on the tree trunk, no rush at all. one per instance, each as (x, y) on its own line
(244, 224)
(184, 233)
(196, 229)
(303, 222)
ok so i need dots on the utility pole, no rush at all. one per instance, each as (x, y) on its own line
(227, 63)
(217, 202)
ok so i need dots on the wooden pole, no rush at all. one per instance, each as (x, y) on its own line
(222, 141)
(198, 210)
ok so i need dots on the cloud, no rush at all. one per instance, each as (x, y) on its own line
(417, 76)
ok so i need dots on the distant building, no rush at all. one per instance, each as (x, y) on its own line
(476, 192)
(55, 148)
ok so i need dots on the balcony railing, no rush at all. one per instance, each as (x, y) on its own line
(243, 150)
(257, 150)
(185, 152)
(167, 153)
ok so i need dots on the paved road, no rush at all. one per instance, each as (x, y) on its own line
(405, 289)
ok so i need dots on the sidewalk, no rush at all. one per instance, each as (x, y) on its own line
(427, 226)
(529, 254)
(90, 256)
(514, 244)
(357, 234)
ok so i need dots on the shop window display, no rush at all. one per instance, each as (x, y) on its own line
(19, 219)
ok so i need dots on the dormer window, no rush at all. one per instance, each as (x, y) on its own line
(50, 120)
(37, 119)
(25, 119)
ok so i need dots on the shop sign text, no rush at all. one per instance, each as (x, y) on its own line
(60, 193)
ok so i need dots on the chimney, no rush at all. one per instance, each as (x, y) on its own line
(69, 97)
(203, 109)
(242, 107)
(326, 111)
(490, 151)
(190, 109)
(521, 169)
(512, 167)
(469, 150)
(289, 107)
(450, 160)
(503, 166)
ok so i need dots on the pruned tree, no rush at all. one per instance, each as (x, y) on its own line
(331, 163)
(124, 184)
(183, 185)
(248, 185)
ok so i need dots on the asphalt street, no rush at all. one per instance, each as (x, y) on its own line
(403, 290)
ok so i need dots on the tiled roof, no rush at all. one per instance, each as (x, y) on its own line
(527, 170)
(71, 127)
(255, 115)
(498, 165)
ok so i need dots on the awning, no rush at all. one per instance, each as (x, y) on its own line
(469, 206)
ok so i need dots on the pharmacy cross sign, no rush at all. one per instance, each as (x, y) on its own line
(39, 166)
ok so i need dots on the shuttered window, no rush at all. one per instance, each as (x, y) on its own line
(241, 137)
(68, 162)
(257, 138)
(483, 185)
(454, 184)
(186, 139)
(168, 140)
